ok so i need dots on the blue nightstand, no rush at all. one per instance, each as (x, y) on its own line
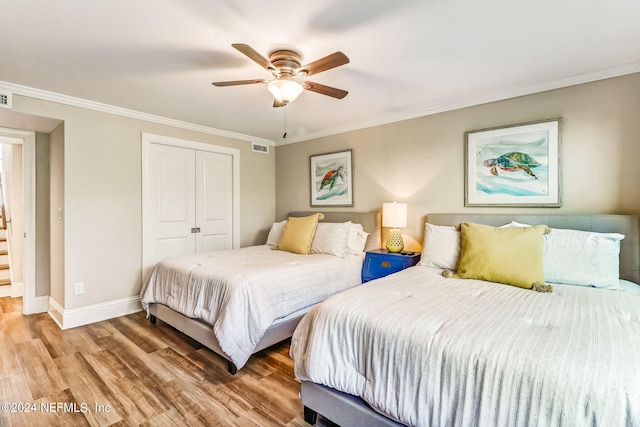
(380, 263)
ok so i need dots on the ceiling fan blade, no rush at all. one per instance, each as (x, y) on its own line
(239, 82)
(277, 103)
(255, 56)
(323, 64)
(325, 90)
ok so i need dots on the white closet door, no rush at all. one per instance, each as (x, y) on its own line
(214, 201)
(173, 194)
(190, 197)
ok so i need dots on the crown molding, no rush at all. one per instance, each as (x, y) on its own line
(455, 104)
(420, 111)
(110, 109)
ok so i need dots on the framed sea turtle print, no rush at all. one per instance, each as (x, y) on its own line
(332, 179)
(516, 165)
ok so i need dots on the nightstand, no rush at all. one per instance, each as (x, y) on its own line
(380, 263)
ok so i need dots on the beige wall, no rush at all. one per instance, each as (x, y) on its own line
(421, 161)
(42, 225)
(102, 197)
(56, 201)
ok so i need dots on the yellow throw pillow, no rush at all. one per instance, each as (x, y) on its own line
(512, 256)
(298, 234)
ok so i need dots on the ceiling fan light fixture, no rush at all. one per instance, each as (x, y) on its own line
(285, 91)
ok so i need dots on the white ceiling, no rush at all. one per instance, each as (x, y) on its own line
(408, 58)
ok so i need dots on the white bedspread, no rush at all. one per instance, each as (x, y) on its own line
(430, 351)
(241, 292)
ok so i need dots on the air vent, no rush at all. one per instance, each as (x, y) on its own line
(5, 99)
(259, 148)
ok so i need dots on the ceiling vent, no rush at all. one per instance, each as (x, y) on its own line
(5, 99)
(259, 148)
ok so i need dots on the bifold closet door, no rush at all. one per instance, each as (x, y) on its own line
(173, 193)
(214, 201)
(191, 194)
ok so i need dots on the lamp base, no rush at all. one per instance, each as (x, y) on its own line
(394, 241)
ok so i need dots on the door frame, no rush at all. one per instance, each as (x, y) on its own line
(147, 140)
(29, 211)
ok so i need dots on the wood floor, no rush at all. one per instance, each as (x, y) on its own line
(127, 372)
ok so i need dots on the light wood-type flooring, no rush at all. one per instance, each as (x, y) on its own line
(127, 372)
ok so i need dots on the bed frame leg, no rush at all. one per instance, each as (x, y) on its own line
(231, 367)
(152, 319)
(310, 416)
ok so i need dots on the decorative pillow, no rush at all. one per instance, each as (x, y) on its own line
(582, 258)
(276, 233)
(357, 239)
(512, 256)
(298, 234)
(331, 238)
(441, 247)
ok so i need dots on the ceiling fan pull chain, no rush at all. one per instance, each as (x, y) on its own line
(284, 135)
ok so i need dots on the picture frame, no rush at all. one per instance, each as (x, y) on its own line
(332, 179)
(517, 165)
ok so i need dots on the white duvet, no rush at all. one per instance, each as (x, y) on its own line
(241, 292)
(430, 351)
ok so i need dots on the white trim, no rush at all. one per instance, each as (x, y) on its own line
(147, 140)
(56, 312)
(105, 108)
(426, 110)
(72, 318)
(41, 304)
(17, 290)
(5, 291)
(456, 104)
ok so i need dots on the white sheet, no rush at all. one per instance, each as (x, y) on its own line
(242, 291)
(430, 351)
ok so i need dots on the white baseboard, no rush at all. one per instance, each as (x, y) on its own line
(5, 291)
(17, 290)
(41, 304)
(74, 317)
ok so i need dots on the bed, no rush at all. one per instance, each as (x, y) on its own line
(418, 348)
(241, 301)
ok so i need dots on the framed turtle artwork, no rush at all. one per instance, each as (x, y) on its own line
(332, 179)
(516, 165)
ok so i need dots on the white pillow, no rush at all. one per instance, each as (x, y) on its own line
(357, 239)
(331, 238)
(441, 247)
(583, 258)
(275, 233)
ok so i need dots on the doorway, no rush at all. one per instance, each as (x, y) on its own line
(27, 140)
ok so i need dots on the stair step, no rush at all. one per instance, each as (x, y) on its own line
(4, 266)
(4, 282)
(4, 252)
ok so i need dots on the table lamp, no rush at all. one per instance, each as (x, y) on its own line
(394, 215)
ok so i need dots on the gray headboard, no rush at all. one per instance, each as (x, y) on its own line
(629, 225)
(370, 222)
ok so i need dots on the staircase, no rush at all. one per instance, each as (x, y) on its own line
(5, 273)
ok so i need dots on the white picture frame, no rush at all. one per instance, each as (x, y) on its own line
(332, 179)
(516, 165)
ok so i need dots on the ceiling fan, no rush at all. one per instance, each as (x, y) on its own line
(285, 66)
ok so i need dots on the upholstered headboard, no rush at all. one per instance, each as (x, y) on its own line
(370, 222)
(629, 225)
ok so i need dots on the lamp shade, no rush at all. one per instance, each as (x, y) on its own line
(394, 215)
(285, 91)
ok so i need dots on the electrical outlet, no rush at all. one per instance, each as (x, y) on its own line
(78, 288)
